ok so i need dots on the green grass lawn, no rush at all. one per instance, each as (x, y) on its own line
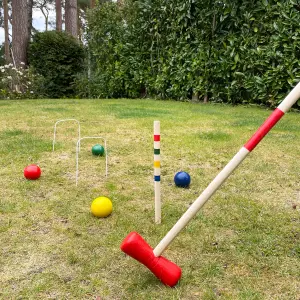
(244, 243)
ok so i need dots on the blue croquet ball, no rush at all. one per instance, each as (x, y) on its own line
(182, 179)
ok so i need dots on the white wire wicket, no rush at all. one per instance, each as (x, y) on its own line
(55, 126)
(78, 150)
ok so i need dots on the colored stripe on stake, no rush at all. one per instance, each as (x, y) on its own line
(157, 178)
(156, 151)
(156, 141)
(156, 164)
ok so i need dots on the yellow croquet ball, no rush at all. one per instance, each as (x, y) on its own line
(101, 207)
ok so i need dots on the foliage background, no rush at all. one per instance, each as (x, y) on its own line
(56, 57)
(228, 51)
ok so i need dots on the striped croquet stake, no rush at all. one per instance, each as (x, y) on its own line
(168, 272)
(156, 141)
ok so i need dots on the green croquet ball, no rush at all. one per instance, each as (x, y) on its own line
(98, 150)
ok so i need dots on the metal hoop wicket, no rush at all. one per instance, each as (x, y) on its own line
(64, 120)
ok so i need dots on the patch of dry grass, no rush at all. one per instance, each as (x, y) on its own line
(244, 244)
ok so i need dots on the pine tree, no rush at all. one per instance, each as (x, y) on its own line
(71, 17)
(20, 32)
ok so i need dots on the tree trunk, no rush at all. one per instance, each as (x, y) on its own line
(195, 97)
(92, 3)
(79, 24)
(46, 23)
(58, 15)
(19, 32)
(30, 6)
(6, 36)
(71, 17)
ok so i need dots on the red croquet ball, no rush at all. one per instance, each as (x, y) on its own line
(32, 172)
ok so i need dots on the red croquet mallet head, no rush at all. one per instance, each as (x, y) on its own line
(135, 246)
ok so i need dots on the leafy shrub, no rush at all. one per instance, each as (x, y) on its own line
(231, 51)
(110, 75)
(57, 57)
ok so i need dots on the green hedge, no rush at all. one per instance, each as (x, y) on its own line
(57, 57)
(230, 51)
